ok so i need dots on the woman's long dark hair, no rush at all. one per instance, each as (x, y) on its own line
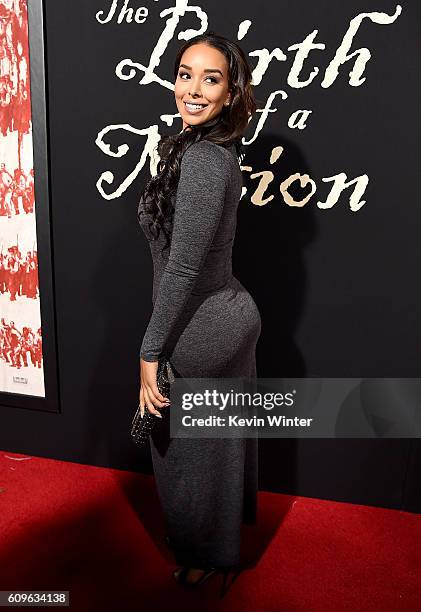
(225, 129)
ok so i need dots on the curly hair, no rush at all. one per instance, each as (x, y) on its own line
(225, 129)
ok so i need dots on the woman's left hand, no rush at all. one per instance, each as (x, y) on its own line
(149, 395)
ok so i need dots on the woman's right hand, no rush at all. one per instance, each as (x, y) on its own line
(149, 395)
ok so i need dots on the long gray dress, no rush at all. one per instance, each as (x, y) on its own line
(208, 325)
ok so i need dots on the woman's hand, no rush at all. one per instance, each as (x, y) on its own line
(149, 395)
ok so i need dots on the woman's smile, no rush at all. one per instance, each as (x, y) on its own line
(194, 109)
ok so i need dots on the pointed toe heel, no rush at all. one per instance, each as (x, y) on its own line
(180, 576)
(229, 575)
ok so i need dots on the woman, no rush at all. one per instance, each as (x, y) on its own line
(204, 321)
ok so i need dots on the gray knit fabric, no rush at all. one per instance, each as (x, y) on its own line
(208, 325)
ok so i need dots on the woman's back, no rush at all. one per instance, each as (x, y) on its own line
(197, 300)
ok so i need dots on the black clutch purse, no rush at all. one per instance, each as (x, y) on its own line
(142, 426)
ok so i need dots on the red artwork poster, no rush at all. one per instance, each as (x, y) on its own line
(21, 361)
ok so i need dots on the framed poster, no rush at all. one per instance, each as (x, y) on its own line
(28, 366)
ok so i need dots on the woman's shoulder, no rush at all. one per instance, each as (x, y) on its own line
(208, 151)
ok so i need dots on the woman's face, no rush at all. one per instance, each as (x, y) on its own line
(202, 79)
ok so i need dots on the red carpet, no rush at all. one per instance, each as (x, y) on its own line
(97, 533)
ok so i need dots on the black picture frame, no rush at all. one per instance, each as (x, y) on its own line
(38, 88)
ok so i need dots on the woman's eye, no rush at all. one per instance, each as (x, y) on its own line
(182, 74)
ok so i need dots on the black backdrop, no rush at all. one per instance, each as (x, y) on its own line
(338, 289)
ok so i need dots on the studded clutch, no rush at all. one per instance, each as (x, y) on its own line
(142, 426)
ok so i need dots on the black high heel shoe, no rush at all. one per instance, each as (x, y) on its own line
(180, 576)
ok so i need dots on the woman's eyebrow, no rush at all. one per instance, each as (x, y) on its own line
(205, 70)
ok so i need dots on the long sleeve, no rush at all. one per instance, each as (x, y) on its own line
(204, 175)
